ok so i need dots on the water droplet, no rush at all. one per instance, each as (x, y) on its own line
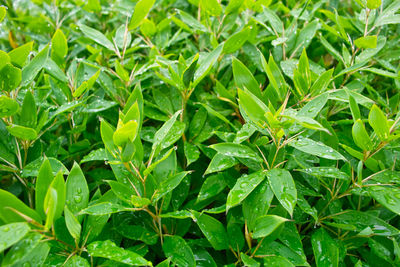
(77, 199)
(6, 229)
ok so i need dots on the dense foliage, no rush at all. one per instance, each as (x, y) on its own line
(199, 133)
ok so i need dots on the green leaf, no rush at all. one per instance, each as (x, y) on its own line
(366, 42)
(243, 187)
(22, 132)
(355, 111)
(30, 71)
(277, 261)
(282, 184)
(77, 261)
(10, 77)
(220, 162)
(77, 191)
(362, 220)
(212, 186)
(192, 153)
(329, 172)
(389, 197)
(254, 108)
(142, 8)
(248, 261)
(379, 123)
(74, 227)
(265, 225)
(86, 85)
(11, 234)
(169, 184)
(373, 4)
(28, 114)
(107, 133)
(162, 133)
(14, 210)
(109, 250)
(233, 6)
(97, 36)
(257, 203)
(236, 41)
(275, 76)
(122, 73)
(54, 201)
(126, 133)
(213, 230)
(8, 106)
(136, 232)
(20, 54)
(236, 150)
(178, 250)
(361, 137)
(244, 78)
(104, 208)
(205, 64)
(322, 82)
(316, 148)
(43, 182)
(212, 7)
(326, 251)
(3, 13)
(59, 46)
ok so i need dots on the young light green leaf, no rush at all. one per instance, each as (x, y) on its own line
(142, 8)
(59, 46)
(361, 137)
(8, 106)
(10, 77)
(43, 182)
(284, 188)
(366, 42)
(378, 122)
(24, 133)
(3, 13)
(212, 7)
(373, 4)
(20, 54)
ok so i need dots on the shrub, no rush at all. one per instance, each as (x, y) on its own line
(199, 133)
